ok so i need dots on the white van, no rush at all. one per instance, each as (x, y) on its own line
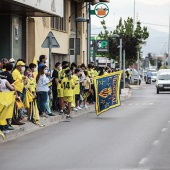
(162, 71)
(163, 81)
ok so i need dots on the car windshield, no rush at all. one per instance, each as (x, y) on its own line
(164, 77)
(152, 70)
(154, 74)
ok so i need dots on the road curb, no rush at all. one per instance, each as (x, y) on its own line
(30, 127)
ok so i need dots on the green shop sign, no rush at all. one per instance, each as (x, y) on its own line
(102, 45)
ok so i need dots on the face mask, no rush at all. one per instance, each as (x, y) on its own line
(35, 69)
(60, 68)
(22, 69)
(13, 64)
(46, 61)
(45, 71)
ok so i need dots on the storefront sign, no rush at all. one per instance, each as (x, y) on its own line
(102, 46)
(51, 6)
(101, 10)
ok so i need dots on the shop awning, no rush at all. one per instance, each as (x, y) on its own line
(32, 8)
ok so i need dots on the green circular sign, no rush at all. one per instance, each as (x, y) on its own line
(101, 10)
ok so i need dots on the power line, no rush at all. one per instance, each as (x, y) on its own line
(154, 24)
(141, 23)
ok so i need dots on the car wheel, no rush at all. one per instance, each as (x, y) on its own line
(157, 91)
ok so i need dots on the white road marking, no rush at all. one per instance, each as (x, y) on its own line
(164, 129)
(137, 104)
(150, 104)
(156, 142)
(169, 121)
(130, 104)
(143, 161)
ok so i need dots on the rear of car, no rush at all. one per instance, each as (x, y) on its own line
(163, 82)
(154, 76)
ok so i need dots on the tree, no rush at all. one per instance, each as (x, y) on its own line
(132, 39)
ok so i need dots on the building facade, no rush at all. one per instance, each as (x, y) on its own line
(26, 23)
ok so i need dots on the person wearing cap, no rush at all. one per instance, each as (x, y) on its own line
(19, 83)
(12, 61)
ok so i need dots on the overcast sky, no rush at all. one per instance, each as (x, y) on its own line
(152, 13)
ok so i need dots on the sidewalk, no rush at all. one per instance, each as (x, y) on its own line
(29, 127)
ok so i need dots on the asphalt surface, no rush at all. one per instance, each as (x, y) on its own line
(135, 135)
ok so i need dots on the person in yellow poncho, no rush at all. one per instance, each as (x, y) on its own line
(7, 100)
(30, 101)
(20, 81)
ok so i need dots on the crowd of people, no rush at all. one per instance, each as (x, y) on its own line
(39, 92)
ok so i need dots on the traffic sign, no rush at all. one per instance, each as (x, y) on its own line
(50, 42)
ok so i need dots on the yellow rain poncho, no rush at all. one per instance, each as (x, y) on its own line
(7, 100)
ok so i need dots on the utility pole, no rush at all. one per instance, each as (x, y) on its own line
(134, 15)
(124, 55)
(120, 59)
(94, 51)
(169, 41)
(138, 66)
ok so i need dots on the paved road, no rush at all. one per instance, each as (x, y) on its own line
(133, 136)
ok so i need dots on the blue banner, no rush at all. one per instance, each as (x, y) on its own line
(107, 89)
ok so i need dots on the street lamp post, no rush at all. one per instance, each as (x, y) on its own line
(81, 19)
(120, 47)
(138, 66)
(120, 58)
(169, 41)
(124, 56)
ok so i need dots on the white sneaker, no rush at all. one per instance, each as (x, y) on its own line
(79, 108)
(86, 107)
(74, 109)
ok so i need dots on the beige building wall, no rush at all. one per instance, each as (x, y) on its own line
(38, 29)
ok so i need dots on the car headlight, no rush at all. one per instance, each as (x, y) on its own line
(160, 85)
